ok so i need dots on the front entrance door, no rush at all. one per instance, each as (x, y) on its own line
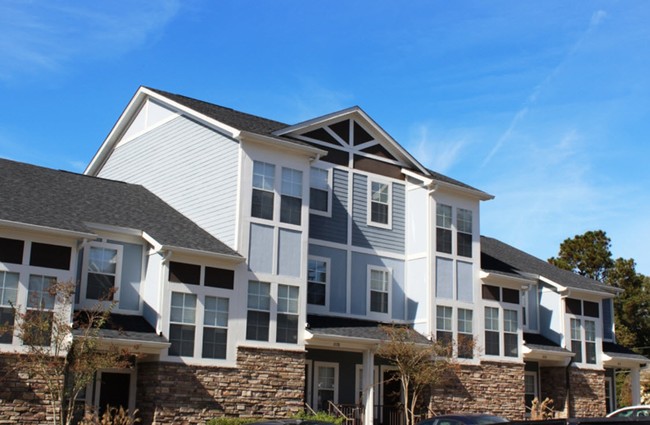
(391, 398)
(114, 390)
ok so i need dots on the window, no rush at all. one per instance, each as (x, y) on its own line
(576, 339)
(379, 290)
(319, 190)
(50, 256)
(583, 329)
(103, 264)
(510, 338)
(465, 334)
(8, 296)
(316, 281)
(492, 331)
(38, 317)
(215, 327)
(530, 388)
(184, 273)
(11, 251)
(182, 324)
(443, 228)
(464, 234)
(263, 185)
(259, 307)
(287, 320)
(444, 330)
(379, 203)
(326, 381)
(219, 278)
(291, 199)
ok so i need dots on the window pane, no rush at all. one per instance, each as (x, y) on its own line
(184, 273)
(11, 251)
(443, 240)
(183, 308)
(492, 343)
(465, 321)
(510, 345)
(257, 325)
(291, 183)
(287, 299)
(102, 260)
(262, 204)
(6, 322)
(287, 328)
(263, 175)
(50, 256)
(511, 296)
(37, 328)
(290, 209)
(443, 318)
(491, 318)
(464, 242)
(317, 279)
(464, 220)
(318, 179)
(181, 338)
(379, 291)
(8, 288)
(216, 312)
(465, 346)
(443, 216)
(379, 302)
(100, 287)
(39, 295)
(379, 203)
(214, 343)
(219, 278)
(259, 295)
(318, 199)
(510, 322)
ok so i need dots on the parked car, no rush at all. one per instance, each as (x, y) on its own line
(630, 412)
(464, 419)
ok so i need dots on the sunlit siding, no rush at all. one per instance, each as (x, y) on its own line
(189, 166)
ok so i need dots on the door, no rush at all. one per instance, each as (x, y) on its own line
(391, 398)
(114, 390)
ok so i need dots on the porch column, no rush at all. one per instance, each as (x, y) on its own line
(368, 387)
(635, 385)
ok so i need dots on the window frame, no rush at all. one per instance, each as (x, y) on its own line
(585, 345)
(291, 312)
(370, 201)
(258, 309)
(329, 190)
(83, 292)
(326, 283)
(183, 323)
(263, 188)
(317, 366)
(289, 195)
(389, 279)
(502, 307)
(217, 326)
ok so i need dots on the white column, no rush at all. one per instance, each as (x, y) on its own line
(635, 378)
(368, 387)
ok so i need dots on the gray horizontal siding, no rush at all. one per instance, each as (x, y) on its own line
(376, 237)
(189, 166)
(335, 228)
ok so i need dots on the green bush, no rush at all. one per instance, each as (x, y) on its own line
(232, 421)
(320, 416)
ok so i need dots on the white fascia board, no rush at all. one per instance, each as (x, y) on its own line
(136, 346)
(426, 181)
(475, 193)
(338, 342)
(571, 291)
(308, 150)
(496, 277)
(366, 118)
(114, 229)
(546, 355)
(132, 109)
(45, 229)
(622, 361)
(180, 250)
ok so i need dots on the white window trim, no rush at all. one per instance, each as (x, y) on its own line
(583, 339)
(317, 366)
(83, 300)
(369, 221)
(502, 306)
(389, 288)
(358, 379)
(98, 382)
(317, 307)
(330, 189)
(536, 387)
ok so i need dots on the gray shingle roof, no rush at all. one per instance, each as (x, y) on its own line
(618, 351)
(539, 342)
(67, 201)
(499, 257)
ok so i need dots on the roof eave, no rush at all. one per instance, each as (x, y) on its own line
(211, 254)
(482, 196)
(309, 150)
(46, 229)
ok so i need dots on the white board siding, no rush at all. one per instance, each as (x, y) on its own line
(189, 166)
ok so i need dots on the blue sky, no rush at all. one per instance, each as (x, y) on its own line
(545, 104)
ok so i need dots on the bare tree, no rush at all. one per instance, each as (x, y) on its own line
(61, 349)
(420, 366)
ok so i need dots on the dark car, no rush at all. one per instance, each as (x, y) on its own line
(464, 419)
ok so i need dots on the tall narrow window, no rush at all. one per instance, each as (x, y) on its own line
(492, 331)
(465, 334)
(263, 186)
(215, 327)
(291, 199)
(8, 296)
(444, 331)
(590, 341)
(319, 190)
(182, 324)
(326, 386)
(379, 203)
(379, 290)
(576, 340)
(443, 228)
(530, 388)
(464, 234)
(259, 307)
(287, 314)
(510, 338)
(40, 306)
(316, 281)
(102, 273)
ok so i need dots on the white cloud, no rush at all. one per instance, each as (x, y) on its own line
(439, 153)
(37, 36)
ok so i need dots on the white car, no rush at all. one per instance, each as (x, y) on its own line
(630, 412)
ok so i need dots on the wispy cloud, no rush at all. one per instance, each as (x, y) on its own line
(311, 98)
(436, 152)
(596, 18)
(38, 36)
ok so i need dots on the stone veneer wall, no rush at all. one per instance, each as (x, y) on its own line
(553, 385)
(587, 394)
(22, 400)
(490, 387)
(265, 383)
